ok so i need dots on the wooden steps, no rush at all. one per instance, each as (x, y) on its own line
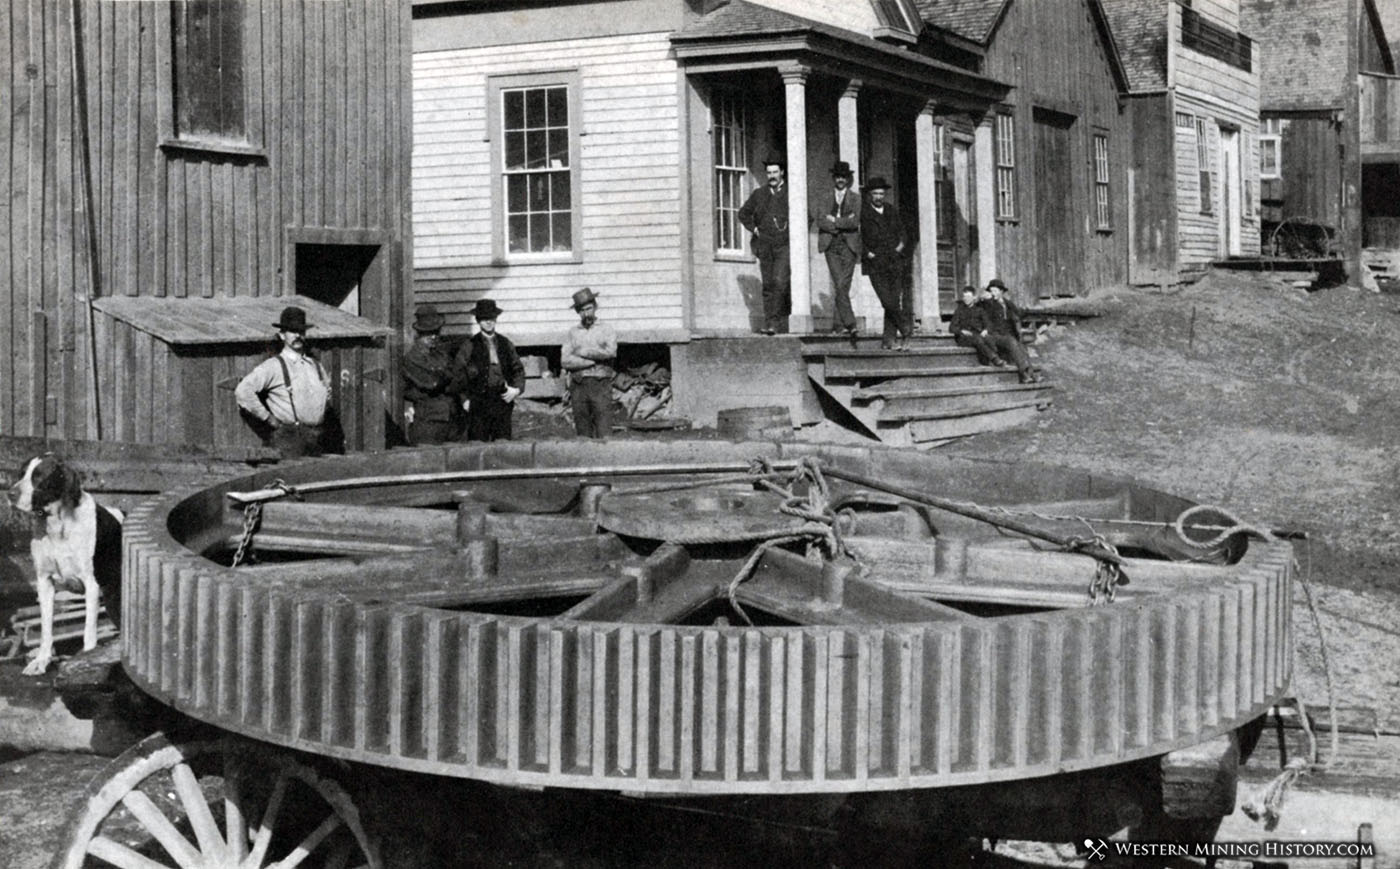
(932, 393)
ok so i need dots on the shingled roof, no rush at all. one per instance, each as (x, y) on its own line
(739, 18)
(1139, 30)
(970, 19)
(1302, 49)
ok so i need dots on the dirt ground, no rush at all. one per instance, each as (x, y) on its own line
(1276, 403)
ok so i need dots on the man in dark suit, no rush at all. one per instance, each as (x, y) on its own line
(882, 237)
(765, 214)
(494, 377)
(969, 328)
(1004, 330)
(838, 236)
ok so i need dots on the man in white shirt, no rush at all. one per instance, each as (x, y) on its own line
(589, 354)
(288, 392)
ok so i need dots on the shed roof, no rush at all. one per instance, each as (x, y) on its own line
(230, 320)
(1139, 31)
(1302, 48)
(970, 19)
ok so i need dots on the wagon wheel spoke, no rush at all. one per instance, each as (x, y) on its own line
(120, 855)
(196, 806)
(310, 843)
(262, 838)
(235, 822)
(162, 830)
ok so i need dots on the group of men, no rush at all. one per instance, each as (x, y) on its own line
(851, 228)
(990, 324)
(288, 393)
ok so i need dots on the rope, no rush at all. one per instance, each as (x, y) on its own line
(820, 528)
(1238, 527)
(1266, 804)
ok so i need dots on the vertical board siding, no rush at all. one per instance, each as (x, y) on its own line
(324, 86)
(1054, 54)
(629, 184)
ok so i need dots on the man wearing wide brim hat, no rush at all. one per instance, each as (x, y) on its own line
(765, 214)
(433, 386)
(493, 374)
(288, 393)
(589, 353)
(838, 237)
(883, 242)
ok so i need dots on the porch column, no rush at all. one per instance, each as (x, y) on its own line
(795, 88)
(985, 153)
(926, 161)
(848, 139)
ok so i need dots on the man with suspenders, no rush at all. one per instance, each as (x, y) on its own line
(289, 392)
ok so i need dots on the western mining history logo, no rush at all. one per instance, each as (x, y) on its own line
(1098, 850)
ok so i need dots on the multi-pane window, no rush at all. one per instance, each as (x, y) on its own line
(1271, 148)
(1101, 198)
(730, 132)
(207, 69)
(1203, 185)
(1006, 165)
(536, 169)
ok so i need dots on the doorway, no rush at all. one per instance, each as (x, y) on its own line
(335, 273)
(1231, 198)
(1059, 257)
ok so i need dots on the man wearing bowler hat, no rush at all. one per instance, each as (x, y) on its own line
(288, 392)
(1004, 330)
(838, 237)
(765, 214)
(882, 237)
(431, 383)
(494, 377)
(589, 354)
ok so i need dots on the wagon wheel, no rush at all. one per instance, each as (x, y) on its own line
(217, 804)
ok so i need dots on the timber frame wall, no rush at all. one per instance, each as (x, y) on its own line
(96, 199)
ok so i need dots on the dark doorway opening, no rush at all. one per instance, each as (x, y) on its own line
(335, 273)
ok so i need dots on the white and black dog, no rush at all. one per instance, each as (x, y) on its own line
(76, 546)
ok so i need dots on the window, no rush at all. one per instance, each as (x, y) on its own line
(1101, 198)
(537, 170)
(1222, 43)
(1006, 166)
(200, 75)
(729, 119)
(534, 148)
(942, 189)
(1186, 120)
(1271, 149)
(1203, 185)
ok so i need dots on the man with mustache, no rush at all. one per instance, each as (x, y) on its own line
(589, 354)
(288, 392)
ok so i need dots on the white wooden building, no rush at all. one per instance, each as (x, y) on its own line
(608, 143)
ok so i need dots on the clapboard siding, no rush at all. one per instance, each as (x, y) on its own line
(324, 86)
(629, 182)
(1054, 54)
(1226, 95)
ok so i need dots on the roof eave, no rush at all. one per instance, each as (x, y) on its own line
(901, 70)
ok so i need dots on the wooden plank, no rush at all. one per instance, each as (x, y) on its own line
(377, 46)
(7, 284)
(67, 393)
(354, 116)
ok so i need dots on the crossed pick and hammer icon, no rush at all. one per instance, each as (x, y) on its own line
(1097, 849)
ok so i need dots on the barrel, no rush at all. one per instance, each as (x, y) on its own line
(755, 423)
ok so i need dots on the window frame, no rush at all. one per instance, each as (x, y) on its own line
(740, 170)
(1102, 180)
(496, 86)
(1271, 131)
(1205, 178)
(1004, 157)
(169, 137)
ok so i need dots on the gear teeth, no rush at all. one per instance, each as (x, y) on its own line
(700, 710)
